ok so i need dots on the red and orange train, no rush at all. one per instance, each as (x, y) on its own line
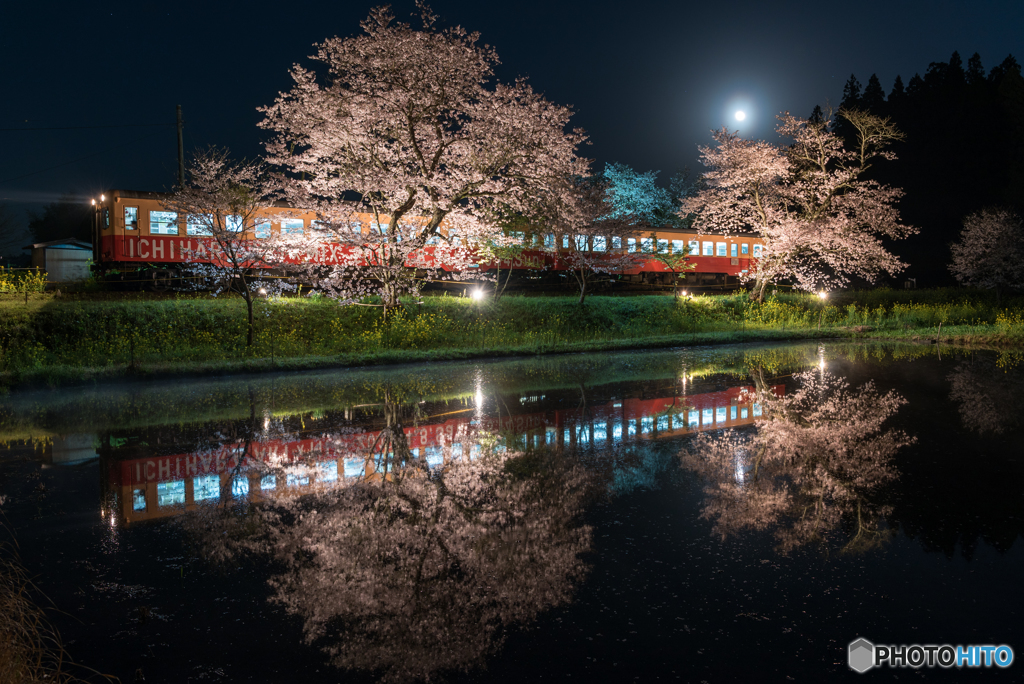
(136, 238)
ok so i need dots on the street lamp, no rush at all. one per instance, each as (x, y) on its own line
(822, 296)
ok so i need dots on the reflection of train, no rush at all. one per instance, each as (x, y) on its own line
(136, 237)
(156, 486)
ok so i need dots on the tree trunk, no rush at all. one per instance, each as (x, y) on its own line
(583, 290)
(252, 325)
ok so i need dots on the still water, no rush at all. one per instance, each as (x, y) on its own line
(706, 515)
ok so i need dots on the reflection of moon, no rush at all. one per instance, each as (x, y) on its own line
(741, 115)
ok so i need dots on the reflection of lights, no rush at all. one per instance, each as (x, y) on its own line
(479, 398)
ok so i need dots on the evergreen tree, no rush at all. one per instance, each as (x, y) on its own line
(851, 94)
(955, 71)
(915, 85)
(873, 99)
(898, 91)
(68, 217)
(975, 72)
(817, 116)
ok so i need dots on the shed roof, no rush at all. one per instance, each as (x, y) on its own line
(66, 243)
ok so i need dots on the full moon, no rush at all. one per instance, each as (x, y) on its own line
(741, 115)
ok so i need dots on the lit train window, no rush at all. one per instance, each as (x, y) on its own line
(709, 416)
(694, 247)
(199, 224)
(648, 244)
(581, 242)
(291, 226)
(694, 418)
(617, 431)
(328, 471)
(733, 250)
(240, 486)
(757, 250)
(662, 245)
(600, 432)
(743, 414)
(721, 248)
(565, 242)
(139, 500)
(234, 224)
(678, 421)
(163, 223)
(549, 241)
(646, 425)
(709, 249)
(632, 427)
(354, 467)
(631, 243)
(131, 218)
(296, 480)
(268, 482)
(205, 487)
(720, 414)
(662, 423)
(677, 246)
(744, 248)
(357, 228)
(262, 229)
(170, 493)
(757, 410)
(732, 413)
(381, 228)
(600, 243)
(616, 243)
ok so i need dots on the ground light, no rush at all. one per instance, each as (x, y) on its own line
(478, 295)
(822, 296)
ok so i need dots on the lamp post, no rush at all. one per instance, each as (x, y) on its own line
(822, 296)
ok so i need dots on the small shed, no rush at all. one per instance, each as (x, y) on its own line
(63, 260)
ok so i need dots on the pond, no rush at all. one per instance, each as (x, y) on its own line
(706, 514)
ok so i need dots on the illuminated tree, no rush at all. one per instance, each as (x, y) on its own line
(990, 252)
(407, 127)
(224, 204)
(816, 459)
(820, 220)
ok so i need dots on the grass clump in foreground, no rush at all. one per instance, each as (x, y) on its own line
(203, 333)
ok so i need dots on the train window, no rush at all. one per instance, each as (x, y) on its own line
(234, 224)
(600, 243)
(582, 242)
(170, 493)
(744, 249)
(757, 250)
(565, 242)
(357, 228)
(549, 241)
(720, 414)
(632, 244)
(163, 223)
(240, 486)
(205, 487)
(734, 250)
(328, 471)
(138, 499)
(199, 224)
(294, 226)
(131, 218)
(648, 244)
(720, 248)
(662, 245)
(382, 228)
(678, 247)
(732, 413)
(743, 414)
(709, 249)
(616, 242)
(268, 482)
(694, 247)
(262, 229)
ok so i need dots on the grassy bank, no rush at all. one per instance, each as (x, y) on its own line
(56, 341)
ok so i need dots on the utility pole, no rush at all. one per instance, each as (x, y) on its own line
(181, 154)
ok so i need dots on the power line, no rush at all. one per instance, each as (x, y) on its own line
(85, 128)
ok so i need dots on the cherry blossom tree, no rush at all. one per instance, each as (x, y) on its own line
(418, 569)
(822, 221)
(817, 459)
(225, 204)
(407, 126)
(990, 252)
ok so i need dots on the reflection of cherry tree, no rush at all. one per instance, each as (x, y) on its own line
(418, 571)
(985, 395)
(812, 464)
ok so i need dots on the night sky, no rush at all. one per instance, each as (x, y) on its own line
(648, 80)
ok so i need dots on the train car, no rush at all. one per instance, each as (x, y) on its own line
(136, 238)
